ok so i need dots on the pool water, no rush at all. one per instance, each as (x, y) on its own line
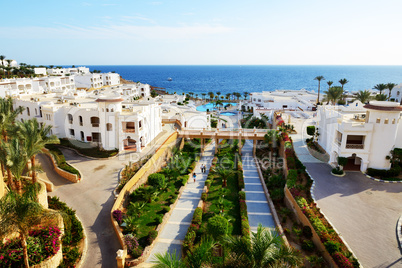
(228, 113)
(211, 107)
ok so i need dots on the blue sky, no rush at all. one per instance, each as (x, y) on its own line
(269, 32)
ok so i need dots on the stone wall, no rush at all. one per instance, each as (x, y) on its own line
(153, 165)
(65, 174)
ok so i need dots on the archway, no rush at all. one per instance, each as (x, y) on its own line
(130, 144)
(354, 163)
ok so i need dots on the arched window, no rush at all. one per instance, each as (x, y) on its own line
(107, 110)
(70, 118)
(80, 119)
(109, 127)
(28, 112)
(112, 110)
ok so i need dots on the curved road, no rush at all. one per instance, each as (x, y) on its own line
(93, 198)
(363, 211)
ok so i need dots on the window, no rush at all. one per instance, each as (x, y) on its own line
(393, 121)
(40, 111)
(386, 121)
(378, 120)
(107, 110)
(36, 111)
(82, 135)
(111, 110)
(72, 133)
(70, 118)
(397, 93)
(139, 124)
(80, 119)
(95, 121)
(28, 113)
(109, 127)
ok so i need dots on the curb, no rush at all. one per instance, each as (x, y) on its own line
(384, 181)
(325, 216)
(85, 249)
(337, 175)
(399, 233)
(89, 157)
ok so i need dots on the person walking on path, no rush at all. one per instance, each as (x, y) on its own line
(194, 176)
(202, 168)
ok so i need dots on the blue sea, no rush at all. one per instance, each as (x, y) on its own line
(228, 78)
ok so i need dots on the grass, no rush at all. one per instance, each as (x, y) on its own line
(87, 150)
(230, 201)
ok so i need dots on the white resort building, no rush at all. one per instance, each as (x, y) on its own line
(365, 134)
(97, 109)
(302, 100)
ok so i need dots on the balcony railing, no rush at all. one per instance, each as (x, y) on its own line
(338, 142)
(129, 130)
(355, 146)
(95, 124)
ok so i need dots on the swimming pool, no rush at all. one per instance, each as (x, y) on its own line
(211, 107)
(228, 113)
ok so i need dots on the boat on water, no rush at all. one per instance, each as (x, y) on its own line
(169, 79)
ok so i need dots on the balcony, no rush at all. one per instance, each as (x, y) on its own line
(129, 130)
(355, 146)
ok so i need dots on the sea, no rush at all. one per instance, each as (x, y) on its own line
(252, 78)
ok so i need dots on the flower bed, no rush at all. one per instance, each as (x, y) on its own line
(299, 184)
(43, 242)
(73, 233)
(89, 151)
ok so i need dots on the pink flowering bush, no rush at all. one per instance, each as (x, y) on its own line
(43, 242)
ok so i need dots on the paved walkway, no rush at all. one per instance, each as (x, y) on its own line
(93, 199)
(173, 233)
(258, 210)
(363, 211)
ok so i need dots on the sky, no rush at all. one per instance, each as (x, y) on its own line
(217, 32)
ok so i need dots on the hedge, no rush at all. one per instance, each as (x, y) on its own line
(61, 160)
(383, 173)
(156, 179)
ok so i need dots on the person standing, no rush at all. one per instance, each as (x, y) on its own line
(194, 176)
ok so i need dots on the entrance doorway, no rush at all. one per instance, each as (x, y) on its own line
(130, 145)
(354, 163)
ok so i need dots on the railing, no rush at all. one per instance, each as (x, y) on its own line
(338, 142)
(355, 146)
(129, 130)
(95, 124)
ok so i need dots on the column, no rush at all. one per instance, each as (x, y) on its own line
(202, 145)
(254, 146)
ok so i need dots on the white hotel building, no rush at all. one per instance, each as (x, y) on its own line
(365, 134)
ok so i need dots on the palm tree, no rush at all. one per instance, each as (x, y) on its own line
(264, 248)
(211, 95)
(218, 94)
(333, 94)
(228, 95)
(390, 86)
(35, 137)
(224, 174)
(319, 78)
(2, 57)
(363, 96)
(17, 159)
(19, 213)
(245, 94)
(271, 138)
(329, 83)
(169, 260)
(203, 96)
(343, 82)
(380, 87)
(9, 62)
(381, 97)
(201, 255)
(191, 94)
(238, 95)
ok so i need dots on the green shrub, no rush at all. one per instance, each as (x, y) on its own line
(277, 194)
(158, 219)
(332, 246)
(311, 130)
(204, 197)
(197, 217)
(301, 202)
(242, 195)
(308, 245)
(189, 240)
(318, 225)
(152, 236)
(342, 261)
(342, 161)
(291, 178)
(165, 209)
(184, 179)
(307, 233)
(383, 173)
(276, 181)
(156, 179)
(245, 227)
(218, 226)
(208, 183)
(337, 171)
